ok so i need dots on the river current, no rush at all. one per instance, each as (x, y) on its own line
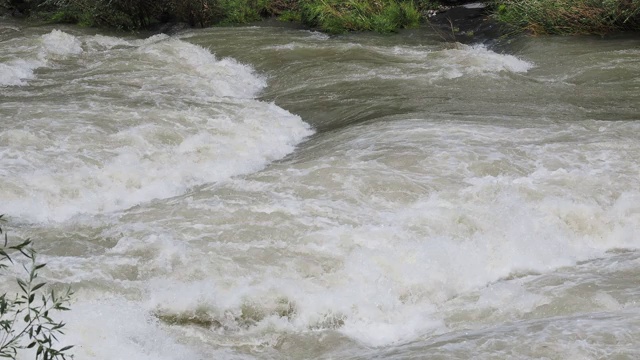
(275, 193)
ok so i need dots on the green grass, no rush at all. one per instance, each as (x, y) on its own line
(240, 11)
(336, 16)
(570, 16)
(290, 16)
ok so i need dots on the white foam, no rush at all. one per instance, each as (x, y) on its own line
(316, 35)
(16, 72)
(379, 230)
(205, 127)
(460, 60)
(425, 62)
(125, 331)
(224, 77)
(61, 44)
(465, 60)
(101, 42)
(30, 54)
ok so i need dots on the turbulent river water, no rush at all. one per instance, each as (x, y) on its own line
(275, 193)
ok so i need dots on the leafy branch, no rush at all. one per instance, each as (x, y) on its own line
(25, 321)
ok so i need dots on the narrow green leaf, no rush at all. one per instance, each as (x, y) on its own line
(22, 284)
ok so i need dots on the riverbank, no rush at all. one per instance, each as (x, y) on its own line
(336, 16)
(331, 16)
(569, 16)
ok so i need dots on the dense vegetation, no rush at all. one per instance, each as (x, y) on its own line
(570, 16)
(333, 16)
(338, 16)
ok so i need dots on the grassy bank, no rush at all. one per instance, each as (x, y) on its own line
(570, 16)
(337, 16)
(333, 16)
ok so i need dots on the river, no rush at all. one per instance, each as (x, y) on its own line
(268, 192)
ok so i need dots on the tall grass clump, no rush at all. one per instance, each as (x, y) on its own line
(241, 11)
(26, 322)
(570, 16)
(336, 16)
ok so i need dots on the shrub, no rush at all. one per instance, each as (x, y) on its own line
(395, 16)
(570, 16)
(335, 16)
(120, 14)
(241, 11)
(193, 12)
(25, 318)
(281, 7)
(135, 14)
(23, 7)
(424, 5)
(289, 15)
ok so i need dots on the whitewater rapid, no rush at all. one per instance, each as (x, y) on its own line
(416, 199)
(188, 119)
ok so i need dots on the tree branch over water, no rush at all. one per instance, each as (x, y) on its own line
(25, 318)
